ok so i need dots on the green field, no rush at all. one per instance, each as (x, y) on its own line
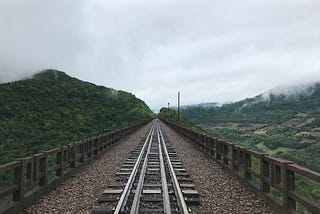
(300, 144)
(271, 152)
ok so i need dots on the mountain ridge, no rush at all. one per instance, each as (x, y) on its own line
(280, 124)
(52, 108)
(277, 107)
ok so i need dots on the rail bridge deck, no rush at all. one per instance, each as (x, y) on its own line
(219, 191)
(221, 172)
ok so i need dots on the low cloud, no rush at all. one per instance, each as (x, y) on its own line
(211, 51)
(291, 91)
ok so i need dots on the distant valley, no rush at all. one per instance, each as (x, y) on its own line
(285, 124)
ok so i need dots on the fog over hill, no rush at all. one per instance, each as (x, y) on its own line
(277, 104)
(306, 89)
(283, 122)
(208, 50)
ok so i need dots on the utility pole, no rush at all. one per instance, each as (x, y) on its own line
(178, 108)
(168, 111)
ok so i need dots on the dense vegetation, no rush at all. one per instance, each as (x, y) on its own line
(265, 108)
(52, 108)
(285, 126)
(282, 126)
(171, 115)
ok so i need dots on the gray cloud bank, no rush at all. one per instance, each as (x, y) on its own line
(209, 50)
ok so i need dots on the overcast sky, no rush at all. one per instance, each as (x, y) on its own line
(210, 50)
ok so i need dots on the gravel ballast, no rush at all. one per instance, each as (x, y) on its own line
(220, 192)
(79, 193)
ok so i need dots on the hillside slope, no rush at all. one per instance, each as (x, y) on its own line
(264, 108)
(171, 115)
(52, 108)
(281, 124)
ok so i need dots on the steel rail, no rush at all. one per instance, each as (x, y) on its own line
(124, 196)
(136, 199)
(165, 192)
(180, 198)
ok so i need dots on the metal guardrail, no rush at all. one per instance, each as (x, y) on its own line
(274, 179)
(31, 177)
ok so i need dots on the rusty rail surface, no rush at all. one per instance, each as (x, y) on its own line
(273, 179)
(35, 176)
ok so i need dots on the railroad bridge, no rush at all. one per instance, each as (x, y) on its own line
(154, 167)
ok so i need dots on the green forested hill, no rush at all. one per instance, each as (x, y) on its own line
(52, 108)
(286, 126)
(269, 108)
(279, 125)
(171, 115)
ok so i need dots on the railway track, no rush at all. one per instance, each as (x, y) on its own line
(152, 180)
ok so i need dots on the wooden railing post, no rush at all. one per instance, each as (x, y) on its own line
(247, 166)
(100, 140)
(72, 155)
(36, 166)
(66, 155)
(265, 174)
(95, 146)
(201, 141)
(105, 141)
(108, 140)
(241, 159)
(90, 148)
(82, 151)
(59, 161)
(218, 149)
(288, 185)
(277, 175)
(235, 159)
(18, 179)
(225, 153)
(86, 149)
(197, 139)
(206, 144)
(276, 172)
(43, 169)
(29, 169)
(111, 138)
(210, 146)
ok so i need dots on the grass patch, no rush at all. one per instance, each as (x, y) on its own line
(260, 132)
(271, 152)
(316, 129)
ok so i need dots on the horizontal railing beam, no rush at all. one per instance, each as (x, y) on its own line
(9, 166)
(305, 172)
(9, 190)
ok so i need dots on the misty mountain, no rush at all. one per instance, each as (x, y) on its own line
(204, 105)
(52, 109)
(275, 106)
(283, 122)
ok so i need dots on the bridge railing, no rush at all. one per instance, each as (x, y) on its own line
(24, 180)
(274, 179)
